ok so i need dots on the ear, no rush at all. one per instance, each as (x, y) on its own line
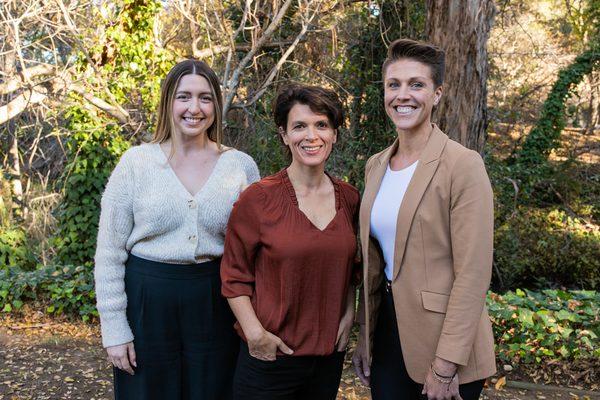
(281, 132)
(335, 133)
(437, 95)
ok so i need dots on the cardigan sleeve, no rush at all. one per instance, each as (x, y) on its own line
(471, 230)
(116, 224)
(242, 241)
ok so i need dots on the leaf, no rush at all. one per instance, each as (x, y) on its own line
(500, 383)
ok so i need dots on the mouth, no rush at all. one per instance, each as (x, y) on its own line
(193, 120)
(311, 150)
(405, 110)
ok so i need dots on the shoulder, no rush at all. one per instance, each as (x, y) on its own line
(243, 161)
(351, 194)
(139, 154)
(460, 158)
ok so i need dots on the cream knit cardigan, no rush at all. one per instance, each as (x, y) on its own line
(148, 212)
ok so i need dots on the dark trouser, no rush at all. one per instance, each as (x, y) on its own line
(184, 341)
(288, 377)
(389, 378)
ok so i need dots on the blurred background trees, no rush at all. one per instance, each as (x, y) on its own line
(80, 81)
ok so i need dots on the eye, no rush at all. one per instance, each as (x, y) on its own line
(417, 85)
(322, 124)
(298, 126)
(393, 85)
(182, 96)
(206, 99)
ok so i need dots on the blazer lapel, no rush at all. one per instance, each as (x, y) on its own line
(428, 163)
(371, 189)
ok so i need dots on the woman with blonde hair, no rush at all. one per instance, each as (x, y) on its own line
(165, 326)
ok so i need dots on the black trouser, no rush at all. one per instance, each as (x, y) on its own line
(184, 341)
(389, 378)
(288, 377)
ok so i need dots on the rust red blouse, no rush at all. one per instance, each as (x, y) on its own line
(296, 275)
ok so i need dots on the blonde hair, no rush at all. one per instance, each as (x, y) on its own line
(165, 124)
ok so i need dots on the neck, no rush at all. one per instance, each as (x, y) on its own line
(185, 145)
(305, 176)
(412, 142)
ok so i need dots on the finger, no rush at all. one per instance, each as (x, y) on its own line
(126, 366)
(131, 354)
(457, 396)
(284, 349)
(339, 334)
(424, 391)
(362, 372)
(366, 367)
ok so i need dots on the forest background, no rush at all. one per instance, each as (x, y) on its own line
(79, 84)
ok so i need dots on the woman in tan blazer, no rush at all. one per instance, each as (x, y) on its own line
(426, 224)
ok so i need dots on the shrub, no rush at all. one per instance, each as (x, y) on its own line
(549, 246)
(14, 250)
(538, 327)
(60, 289)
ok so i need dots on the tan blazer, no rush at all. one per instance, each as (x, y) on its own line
(442, 261)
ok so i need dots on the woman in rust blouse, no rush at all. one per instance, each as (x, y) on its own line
(289, 257)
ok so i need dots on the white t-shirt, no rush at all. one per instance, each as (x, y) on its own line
(384, 214)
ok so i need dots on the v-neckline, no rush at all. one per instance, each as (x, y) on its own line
(178, 180)
(292, 193)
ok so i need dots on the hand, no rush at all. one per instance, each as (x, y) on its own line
(343, 333)
(360, 361)
(123, 357)
(436, 390)
(264, 346)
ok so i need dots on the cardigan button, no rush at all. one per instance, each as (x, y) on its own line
(191, 204)
(192, 238)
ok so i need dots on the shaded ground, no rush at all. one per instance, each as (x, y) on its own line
(43, 359)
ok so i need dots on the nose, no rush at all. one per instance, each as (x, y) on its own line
(403, 92)
(310, 133)
(194, 106)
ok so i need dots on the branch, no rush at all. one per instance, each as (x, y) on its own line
(21, 102)
(232, 85)
(24, 76)
(114, 111)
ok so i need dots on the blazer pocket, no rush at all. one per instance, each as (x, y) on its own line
(435, 302)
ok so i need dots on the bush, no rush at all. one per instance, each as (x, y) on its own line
(538, 327)
(60, 289)
(549, 246)
(14, 250)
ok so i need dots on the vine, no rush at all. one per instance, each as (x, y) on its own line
(532, 159)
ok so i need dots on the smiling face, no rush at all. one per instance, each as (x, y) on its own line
(310, 136)
(193, 106)
(410, 94)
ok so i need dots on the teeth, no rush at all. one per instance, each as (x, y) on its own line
(311, 148)
(190, 119)
(404, 109)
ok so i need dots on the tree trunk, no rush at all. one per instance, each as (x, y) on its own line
(461, 28)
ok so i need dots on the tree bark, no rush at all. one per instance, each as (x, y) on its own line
(461, 28)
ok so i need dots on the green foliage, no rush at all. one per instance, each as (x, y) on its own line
(531, 163)
(538, 247)
(539, 327)
(68, 290)
(14, 250)
(129, 59)
(92, 153)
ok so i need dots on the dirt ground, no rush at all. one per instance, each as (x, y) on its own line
(47, 359)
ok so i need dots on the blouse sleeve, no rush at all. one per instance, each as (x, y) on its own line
(242, 241)
(116, 224)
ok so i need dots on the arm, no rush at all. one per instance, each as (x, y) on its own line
(471, 230)
(242, 242)
(347, 320)
(115, 226)
(261, 343)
